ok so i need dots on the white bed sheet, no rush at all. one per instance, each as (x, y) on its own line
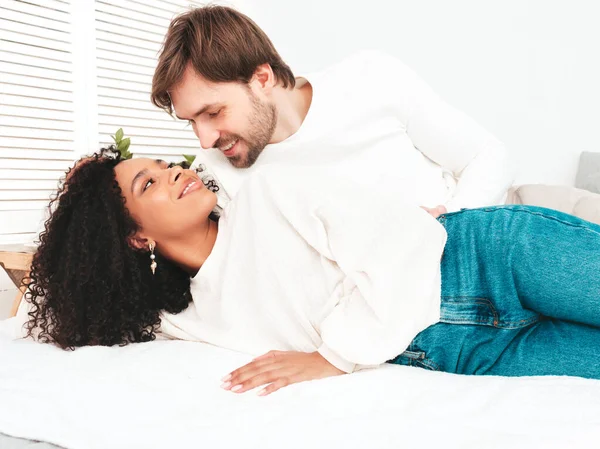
(166, 394)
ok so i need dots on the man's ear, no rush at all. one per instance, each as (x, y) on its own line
(265, 77)
(138, 242)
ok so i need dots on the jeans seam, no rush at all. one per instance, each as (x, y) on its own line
(413, 355)
(496, 323)
(499, 325)
(477, 300)
(540, 214)
(428, 364)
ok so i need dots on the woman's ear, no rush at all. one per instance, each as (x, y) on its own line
(138, 242)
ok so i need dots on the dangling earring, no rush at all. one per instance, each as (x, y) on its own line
(152, 257)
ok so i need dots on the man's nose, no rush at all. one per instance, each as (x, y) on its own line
(207, 135)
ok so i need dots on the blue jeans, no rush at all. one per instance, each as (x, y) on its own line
(520, 296)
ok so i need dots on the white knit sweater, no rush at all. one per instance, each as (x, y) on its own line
(310, 261)
(371, 116)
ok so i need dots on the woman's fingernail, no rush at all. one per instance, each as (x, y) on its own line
(226, 378)
(262, 392)
(236, 388)
(225, 385)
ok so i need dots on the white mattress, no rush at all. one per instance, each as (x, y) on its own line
(166, 394)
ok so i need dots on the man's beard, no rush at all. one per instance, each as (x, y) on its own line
(262, 122)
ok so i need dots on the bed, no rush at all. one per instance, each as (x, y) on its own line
(166, 394)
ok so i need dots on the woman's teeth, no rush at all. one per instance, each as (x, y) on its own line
(187, 188)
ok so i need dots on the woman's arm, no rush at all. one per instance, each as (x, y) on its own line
(390, 256)
(391, 259)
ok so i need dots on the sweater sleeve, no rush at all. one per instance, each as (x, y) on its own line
(391, 290)
(446, 136)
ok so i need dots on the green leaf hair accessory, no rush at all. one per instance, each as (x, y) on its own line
(122, 144)
(190, 158)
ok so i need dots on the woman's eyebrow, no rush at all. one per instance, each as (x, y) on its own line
(143, 173)
(137, 177)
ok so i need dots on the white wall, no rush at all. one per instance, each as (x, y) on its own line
(527, 70)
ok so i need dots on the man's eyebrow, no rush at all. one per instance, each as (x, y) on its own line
(143, 173)
(202, 110)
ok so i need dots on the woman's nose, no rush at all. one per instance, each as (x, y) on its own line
(174, 174)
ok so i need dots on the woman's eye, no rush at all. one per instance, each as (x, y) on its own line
(214, 114)
(148, 184)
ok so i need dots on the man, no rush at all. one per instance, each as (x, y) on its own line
(369, 116)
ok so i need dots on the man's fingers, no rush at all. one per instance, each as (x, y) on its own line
(436, 211)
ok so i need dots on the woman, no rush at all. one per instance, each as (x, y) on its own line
(332, 276)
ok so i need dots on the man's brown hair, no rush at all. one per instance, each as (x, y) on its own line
(221, 44)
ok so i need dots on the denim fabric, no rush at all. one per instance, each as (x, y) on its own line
(520, 296)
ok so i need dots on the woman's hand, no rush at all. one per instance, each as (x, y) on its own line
(279, 369)
(435, 212)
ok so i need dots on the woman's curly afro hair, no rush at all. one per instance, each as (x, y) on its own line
(87, 286)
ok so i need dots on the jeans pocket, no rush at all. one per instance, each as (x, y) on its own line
(483, 311)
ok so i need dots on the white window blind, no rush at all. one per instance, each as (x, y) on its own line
(36, 110)
(71, 73)
(129, 34)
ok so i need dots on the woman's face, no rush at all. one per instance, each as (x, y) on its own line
(167, 203)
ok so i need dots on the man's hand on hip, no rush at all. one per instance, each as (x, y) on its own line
(435, 212)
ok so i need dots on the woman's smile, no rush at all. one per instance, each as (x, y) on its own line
(192, 186)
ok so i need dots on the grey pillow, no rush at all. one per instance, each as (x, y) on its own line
(588, 174)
